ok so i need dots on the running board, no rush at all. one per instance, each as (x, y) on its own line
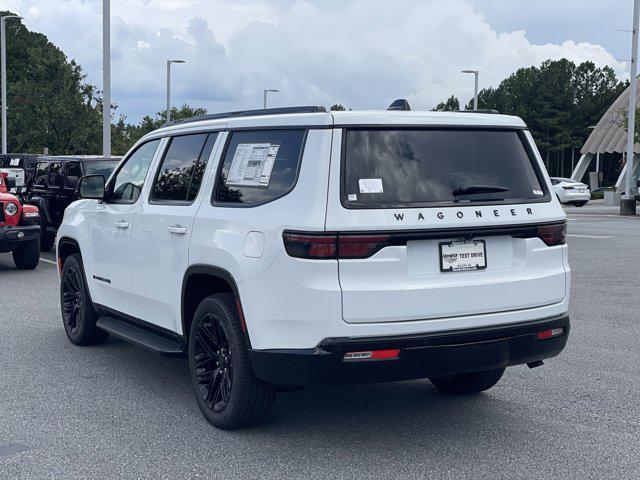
(154, 340)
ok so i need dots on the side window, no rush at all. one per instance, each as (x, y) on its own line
(554, 181)
(128, 182)
(72, 174)
(259, 166)
(55, 174)
(42, 172)
(180, 173)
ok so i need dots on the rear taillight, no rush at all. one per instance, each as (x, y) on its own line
(568, 188)
(553, 234)
(311, 245)
(333, 246)
(360, 246)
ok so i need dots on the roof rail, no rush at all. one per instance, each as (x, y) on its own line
(480, 110)
(251, 113)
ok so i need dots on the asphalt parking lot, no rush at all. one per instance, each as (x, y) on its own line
(115, 411)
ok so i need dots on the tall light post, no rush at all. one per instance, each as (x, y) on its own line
(266, 92)
(106, 78)
(3, 47)
(628, 203)
(476, 74)
(169, 62)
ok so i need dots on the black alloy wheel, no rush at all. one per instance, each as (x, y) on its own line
(78, 314)
(213, 363)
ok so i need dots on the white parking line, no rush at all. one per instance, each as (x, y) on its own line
(586, 236)
(48, 261)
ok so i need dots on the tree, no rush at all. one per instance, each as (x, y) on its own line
(50, 104)
(336, 107)
(451, 104)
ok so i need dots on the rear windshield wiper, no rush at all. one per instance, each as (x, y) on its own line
(477, 189)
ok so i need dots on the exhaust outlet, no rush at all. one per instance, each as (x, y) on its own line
(537, 363)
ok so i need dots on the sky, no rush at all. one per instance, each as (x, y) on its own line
(359, 53)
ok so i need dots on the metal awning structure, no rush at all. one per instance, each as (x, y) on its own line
(610, 134)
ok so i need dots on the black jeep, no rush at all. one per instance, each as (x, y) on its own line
(54, 188)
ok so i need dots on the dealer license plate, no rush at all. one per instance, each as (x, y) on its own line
(463, 256)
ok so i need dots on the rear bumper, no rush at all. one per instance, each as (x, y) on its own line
(421, 356)
(12, 237)
(576, 197)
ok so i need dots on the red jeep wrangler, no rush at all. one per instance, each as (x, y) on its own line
(19, 227)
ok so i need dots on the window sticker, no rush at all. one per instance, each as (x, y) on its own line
(352, 197)
(370, 185)
(14, 162)
(538, 192)
(252, 165)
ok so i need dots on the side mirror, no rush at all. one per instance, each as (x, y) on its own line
(91, 187)
(11, 182)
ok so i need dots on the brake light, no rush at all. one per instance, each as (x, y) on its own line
(392, 354)
(320, 246)
(360, 246)
(546, 334)
(553, 234)
(310, 245)
(568, 188)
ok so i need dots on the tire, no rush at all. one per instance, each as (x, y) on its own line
(579, 204)
(47, 239)
(228, 393)
(27, 255)
(468, 383)
(78, 314)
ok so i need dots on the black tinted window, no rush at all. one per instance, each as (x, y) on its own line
(55, 174)
(42, 172)
(180, 174)
(74, 172)
(259, 166)
(128, 182)
(101, 167)
(405, 167)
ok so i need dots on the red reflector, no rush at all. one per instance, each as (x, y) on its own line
(553, 234)
(373, 355)
(360, 246)
(546, 334)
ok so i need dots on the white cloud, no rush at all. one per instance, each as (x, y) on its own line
(361, 53)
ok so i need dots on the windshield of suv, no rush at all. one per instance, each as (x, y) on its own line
(102, 167)
(391, 168)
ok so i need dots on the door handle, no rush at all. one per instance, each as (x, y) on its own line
(121, 224)
(177, 229)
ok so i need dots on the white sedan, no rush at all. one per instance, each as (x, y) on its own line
(570, 191)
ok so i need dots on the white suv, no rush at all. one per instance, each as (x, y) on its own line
(296, 247)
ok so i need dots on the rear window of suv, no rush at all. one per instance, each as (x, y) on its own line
(393, 168)
(259, 166)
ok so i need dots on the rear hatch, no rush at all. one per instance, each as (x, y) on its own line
(442, 222)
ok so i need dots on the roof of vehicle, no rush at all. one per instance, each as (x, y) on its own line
(323, 119)
(90, 158)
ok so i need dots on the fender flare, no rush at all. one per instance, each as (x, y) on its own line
(214, 272)
(42, 206)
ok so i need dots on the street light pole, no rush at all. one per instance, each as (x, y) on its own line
(267, 91)
(628, 204)
(476, 74)
(169, 62)
(3, 47)
(106, 78)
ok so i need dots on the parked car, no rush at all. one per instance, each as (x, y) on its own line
(570, 191)
(19, 227)
(21, 167)
(54, 188)
(301, 247)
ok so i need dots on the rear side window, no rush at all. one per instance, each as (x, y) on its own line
(73, 173)
(259, 166)
(180, 173)
(391, 168)
(55, 175)
(42, 172)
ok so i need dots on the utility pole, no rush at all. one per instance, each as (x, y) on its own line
(476, 74)
(106, 78)
(169, 62)
(3, 47)
(628, 203)
(266, 92)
